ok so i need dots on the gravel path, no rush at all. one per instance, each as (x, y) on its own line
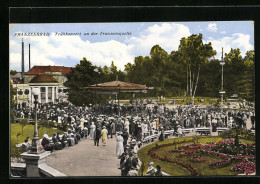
(85, 159)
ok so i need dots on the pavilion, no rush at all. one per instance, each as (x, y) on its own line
(117, 87)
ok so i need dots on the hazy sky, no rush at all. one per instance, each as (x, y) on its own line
(101, 49)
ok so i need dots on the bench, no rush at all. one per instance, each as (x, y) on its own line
(205, 131)
(167, 133)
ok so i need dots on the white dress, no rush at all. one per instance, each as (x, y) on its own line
(126, 125)
(119, 145)
(91, 131)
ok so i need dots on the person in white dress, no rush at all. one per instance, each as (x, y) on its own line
(119, 144)
(179, 130)
(82, 120)
(126, 125)
(91, 131)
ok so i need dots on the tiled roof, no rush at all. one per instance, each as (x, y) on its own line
(43, 69)
(43, 78)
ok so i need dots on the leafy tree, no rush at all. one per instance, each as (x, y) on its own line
(13, 72)
(194, 53)
(82, 75)
(23, 123)
(12, 94)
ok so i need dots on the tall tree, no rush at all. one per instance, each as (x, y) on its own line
(194, 53)
(82, 75)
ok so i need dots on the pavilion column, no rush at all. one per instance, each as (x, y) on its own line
(46, 94)
(52, 95)
(30, 95)
(40, 96)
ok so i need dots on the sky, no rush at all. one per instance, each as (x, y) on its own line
(129, 41)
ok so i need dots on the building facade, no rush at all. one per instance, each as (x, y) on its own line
(49, 79)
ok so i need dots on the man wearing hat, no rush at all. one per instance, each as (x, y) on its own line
(97, 135)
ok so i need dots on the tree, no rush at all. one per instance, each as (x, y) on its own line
(194, 53)
(23, 123)
(12, 94)
(13, 72)
(82, 75)
(234, 79)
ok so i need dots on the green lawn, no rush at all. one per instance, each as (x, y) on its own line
(28, 130)
(176, 170)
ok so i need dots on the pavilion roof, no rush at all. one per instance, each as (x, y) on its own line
(118, 86)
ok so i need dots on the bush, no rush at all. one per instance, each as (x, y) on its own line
(15, 152)
(246, 134)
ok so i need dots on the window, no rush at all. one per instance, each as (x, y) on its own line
(49, 93)
(43, 95)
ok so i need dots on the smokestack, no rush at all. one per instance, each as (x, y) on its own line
(29, 58)
(22, 59)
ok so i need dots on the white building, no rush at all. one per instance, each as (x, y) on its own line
(50, 80)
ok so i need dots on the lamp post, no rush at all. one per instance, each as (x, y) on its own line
(36, 148)
(36, 156)
(222, 92)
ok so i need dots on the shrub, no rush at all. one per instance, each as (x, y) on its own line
(23, 123)
(15, 152)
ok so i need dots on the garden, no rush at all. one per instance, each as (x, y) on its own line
(231, 153)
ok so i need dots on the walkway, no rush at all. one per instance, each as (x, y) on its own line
(85, 159)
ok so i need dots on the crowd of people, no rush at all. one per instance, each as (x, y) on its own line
(135, 122)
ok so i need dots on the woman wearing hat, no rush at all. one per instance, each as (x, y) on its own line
(104, 135)
(151, 170)
(119, 144)
(46, 143)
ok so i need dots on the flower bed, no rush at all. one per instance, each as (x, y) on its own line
(151, 152)
(222, 163)
(244, 167)
(197, 159)
(194, 152)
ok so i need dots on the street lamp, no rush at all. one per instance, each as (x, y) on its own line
(222, 92)
(36, 155)
(36, 147)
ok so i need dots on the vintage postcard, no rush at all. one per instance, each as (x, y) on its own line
(132, 99)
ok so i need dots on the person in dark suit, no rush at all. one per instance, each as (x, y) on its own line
(158, 171)
(57, 143)
(125, 137)
(97, 136)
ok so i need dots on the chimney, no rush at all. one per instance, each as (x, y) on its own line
(29, 58)
(22, 59)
